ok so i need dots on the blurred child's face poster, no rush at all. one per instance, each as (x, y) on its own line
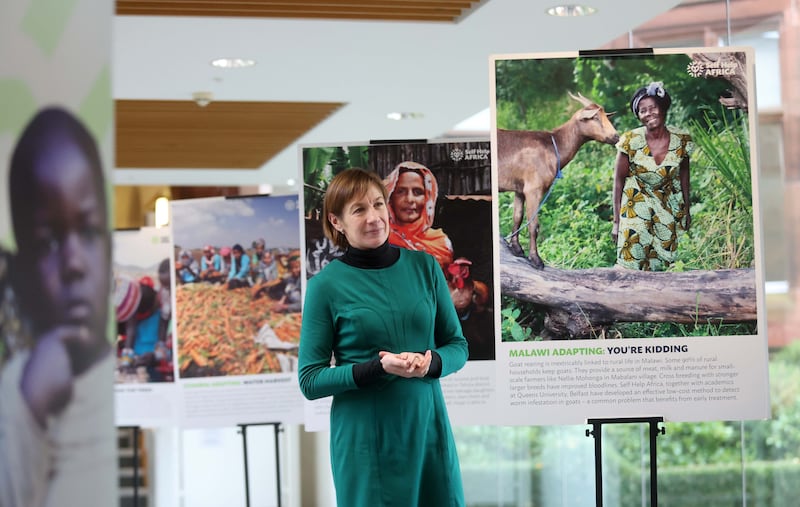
(439, 202)
(629, 254)
(142, 299)
(237, 298)
(57, 431)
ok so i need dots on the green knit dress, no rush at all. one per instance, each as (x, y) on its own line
(391, 441)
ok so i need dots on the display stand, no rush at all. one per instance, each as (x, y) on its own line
(277, 429)
(597, 433)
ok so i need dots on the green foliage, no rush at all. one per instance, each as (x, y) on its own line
(511, 330)
(612, 82)
(778, 438)
(525, 85)
(692, 444)
(722, 208)
(768, 484)
(507, 446)
(659, 329)
(725, 147)
(576, 218)
(321, 164)
(519, 314)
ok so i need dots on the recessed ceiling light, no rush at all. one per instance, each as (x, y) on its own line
(232, 63)
(404, 116)
(571, 10)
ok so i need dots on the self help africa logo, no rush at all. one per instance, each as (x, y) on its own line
(719, 68)
(457, 154)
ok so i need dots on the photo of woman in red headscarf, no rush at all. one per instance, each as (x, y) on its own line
(413, 190)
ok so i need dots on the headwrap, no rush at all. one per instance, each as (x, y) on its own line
(655, 90)
(419, 235)
(127, 295)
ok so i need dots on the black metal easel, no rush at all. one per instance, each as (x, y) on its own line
(276, 429)
(597, 433)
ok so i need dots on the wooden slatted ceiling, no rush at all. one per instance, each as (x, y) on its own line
(223, 135)
(390, 10)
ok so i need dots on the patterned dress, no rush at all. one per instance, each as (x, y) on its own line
(651, 210)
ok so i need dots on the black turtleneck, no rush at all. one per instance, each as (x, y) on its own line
(376, 258)
(373, 258)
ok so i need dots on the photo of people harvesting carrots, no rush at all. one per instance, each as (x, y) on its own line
(237, 285)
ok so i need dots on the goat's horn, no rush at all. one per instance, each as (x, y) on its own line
(580, 98)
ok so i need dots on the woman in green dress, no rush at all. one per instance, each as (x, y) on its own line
(651, 185)
(385, 316)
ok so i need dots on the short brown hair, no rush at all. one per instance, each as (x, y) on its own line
(344, 187)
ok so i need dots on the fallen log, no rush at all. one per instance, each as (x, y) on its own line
(579, 303)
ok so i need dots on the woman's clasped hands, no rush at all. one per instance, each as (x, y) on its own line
(406, 364)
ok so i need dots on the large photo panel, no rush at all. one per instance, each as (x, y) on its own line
(142, 297)
(57, 432)
(629, 249)
(237, 299)
(452, 221)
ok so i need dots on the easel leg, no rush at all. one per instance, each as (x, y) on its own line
(243, 430)
(277, 430)
(654, 432)
(597, 433)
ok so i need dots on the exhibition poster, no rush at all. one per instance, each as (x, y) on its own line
(454, 225)
(237, 301)
(630, 264)
(145, 392)
(57, 432)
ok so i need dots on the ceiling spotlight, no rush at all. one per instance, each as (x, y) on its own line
(202, 99)
(571, 10)
(232, 63)
(404, 116)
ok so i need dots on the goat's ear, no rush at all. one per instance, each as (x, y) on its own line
(609, 115)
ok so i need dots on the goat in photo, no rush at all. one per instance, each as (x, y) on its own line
(530, 161)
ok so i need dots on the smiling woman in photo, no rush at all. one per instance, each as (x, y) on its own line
(651, 185)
